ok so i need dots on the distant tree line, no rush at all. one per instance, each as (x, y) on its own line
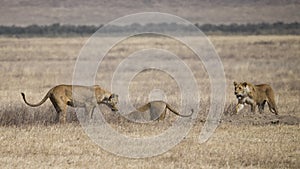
(84, 30)
(48, 30)
(252, 29)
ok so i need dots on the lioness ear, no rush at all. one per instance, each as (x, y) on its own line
(113, 95)
(234, 83)
(253, 88)
(245, 84)
(106, 98)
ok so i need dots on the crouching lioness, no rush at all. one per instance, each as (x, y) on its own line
(255, 95)
(88, 97)
(160, 107)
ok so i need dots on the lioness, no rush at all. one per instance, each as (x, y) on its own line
(62, 95)
(156, 107)
(253, 95)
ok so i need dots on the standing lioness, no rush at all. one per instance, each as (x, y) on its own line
(62, 96)
(255, 95)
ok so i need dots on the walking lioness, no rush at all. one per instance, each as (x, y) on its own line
(88, 97)
(255, 95)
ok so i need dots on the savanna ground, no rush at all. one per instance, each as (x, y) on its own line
(30, 138)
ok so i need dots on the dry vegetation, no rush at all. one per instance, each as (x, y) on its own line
(33, 65)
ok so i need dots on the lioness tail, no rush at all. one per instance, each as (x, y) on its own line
(38, 104)
(175, 112)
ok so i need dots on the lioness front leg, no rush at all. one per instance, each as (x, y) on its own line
(261, 107)
(239, 107)
(89, 110)
(253, 107)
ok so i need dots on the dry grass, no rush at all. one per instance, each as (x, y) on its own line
(34, 65)
(67, 146)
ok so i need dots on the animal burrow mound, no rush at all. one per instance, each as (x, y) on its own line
(260, 119)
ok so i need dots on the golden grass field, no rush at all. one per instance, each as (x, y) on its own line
(30, 139)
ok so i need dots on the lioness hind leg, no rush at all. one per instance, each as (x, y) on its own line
(271, 101)
(273, 108)
(61, 109)
(63, 114)
(57, 108)
(163, 115)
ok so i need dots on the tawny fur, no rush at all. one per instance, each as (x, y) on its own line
(62, 96)
(153, 106)
(255, 95)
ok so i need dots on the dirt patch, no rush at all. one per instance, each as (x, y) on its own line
(260, 119)
(245, 117)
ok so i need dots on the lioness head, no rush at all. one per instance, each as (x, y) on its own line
(241, 90)
(111, 101)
